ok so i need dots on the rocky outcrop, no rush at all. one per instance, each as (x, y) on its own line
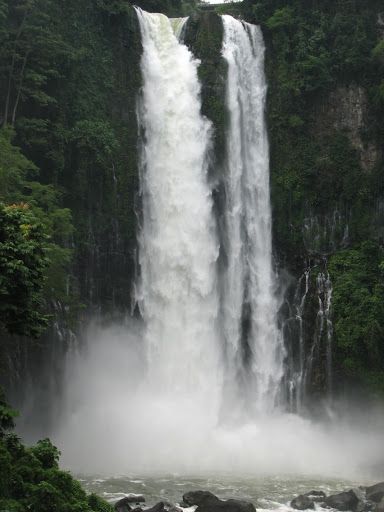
(302, 502)
(316, 495)
(159, 507)
(307, 501)
(375, 492)
(346, 109)
(361, 499)
(199, 498)
(343, 501)
(208, 502)
(123, 505)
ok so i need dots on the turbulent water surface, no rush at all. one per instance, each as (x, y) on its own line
(265, 493)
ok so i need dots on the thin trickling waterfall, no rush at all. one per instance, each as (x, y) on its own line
(324, 285)
(249, 303)
(296, 384)
(177, 292)
(321, 348)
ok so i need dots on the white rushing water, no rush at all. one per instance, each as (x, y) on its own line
(178, 246)
(250, 305)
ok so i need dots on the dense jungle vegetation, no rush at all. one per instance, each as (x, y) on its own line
(69, 76)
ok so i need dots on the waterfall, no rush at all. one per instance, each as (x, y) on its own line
(177, 292)
(296, 382)
(148, 396)
(321, 349)
(250, 307)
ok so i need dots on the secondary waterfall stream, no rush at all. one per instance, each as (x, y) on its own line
(250, 306)
(194, 385)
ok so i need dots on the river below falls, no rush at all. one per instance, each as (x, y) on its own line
(269, 493)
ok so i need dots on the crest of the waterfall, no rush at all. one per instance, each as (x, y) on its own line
(254, 342)
(177, 292)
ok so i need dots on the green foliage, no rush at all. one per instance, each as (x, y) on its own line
(22, 264)
(7, 416)
(30, 478)
(281, 18)
(97, 504)
(358, 306)
(18, 185)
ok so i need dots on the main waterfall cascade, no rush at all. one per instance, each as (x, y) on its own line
(178, 246)
(194, 385)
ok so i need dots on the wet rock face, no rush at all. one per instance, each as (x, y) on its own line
(346, 109)
(343, 501)
(302, 502)
(375, 492)
(123, 505)
(316, 495)
(226, 506)
(208, 502)
(199, 498)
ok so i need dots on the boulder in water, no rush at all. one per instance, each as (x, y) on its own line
(316, 495)
(343, 501)
(365, 506)
(208, 502)
(159, 507)
(198, 498)
(123, 505)
(375, 492)
(302, 502)
(135, 498)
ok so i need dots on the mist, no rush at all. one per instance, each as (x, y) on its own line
(117, 421)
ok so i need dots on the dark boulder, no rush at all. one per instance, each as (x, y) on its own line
(123, 505)
(159, 507)
(208, 502)
(365, 506)
(316, 495)
(135, 498)
(235, 506)
(375, 492)
(198, 498)
(343, 501)
(302, 502)
(226, 506)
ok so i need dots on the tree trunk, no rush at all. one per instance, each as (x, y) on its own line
(11, 71)
(20, 88)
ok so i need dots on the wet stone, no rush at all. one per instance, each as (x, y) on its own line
(302, 502)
